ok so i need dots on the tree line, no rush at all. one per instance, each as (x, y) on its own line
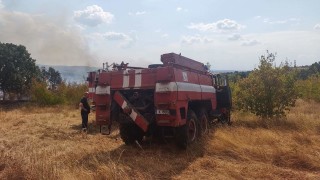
(21, 77)
(303, 72)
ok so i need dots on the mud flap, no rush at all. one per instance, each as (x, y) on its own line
(131, 111)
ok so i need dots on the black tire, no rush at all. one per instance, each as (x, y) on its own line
(203, 122)
(187, 133)
(130, 132)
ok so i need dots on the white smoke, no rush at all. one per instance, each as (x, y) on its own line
(1, 5)
(48, 41)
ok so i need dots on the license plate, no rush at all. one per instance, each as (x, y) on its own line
(160, 111)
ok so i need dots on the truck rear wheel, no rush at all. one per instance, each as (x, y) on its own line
(130, 133)
(187, 133)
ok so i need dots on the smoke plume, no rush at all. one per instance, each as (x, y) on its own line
(48, 41)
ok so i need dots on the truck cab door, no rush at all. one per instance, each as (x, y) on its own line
(223, 91)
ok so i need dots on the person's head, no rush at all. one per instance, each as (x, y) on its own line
(86, 94)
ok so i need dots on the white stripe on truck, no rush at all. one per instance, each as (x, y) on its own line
(137, 78)
(103, 90)
(181, 86)
(125, 83)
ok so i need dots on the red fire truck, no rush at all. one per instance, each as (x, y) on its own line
(178, 99)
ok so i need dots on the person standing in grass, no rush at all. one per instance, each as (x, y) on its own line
(85, 110)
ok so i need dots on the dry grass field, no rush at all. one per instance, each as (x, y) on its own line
(46, 143)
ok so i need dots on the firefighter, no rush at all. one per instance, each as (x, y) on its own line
(85, 110)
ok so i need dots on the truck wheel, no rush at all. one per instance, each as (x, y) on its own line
(130, 133)
(203, 122)
(187, 133)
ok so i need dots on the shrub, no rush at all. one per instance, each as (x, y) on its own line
(72, 92)
(268, 91)
(69, 94)
(309, 89)
(42, 96)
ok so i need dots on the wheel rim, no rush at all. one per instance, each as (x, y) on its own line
(192, 130)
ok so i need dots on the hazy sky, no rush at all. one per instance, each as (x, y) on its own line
(229, 34)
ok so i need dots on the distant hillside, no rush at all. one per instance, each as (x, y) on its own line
(71, 74)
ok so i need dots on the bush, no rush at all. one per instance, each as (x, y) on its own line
(72, 93)
(42, 96)
(69, 94)
(309, 89)
(268, 91)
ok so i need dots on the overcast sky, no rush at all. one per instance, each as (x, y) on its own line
(229, 34)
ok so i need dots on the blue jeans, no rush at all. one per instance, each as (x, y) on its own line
(84, 116)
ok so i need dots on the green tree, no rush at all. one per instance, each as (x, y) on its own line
(313, 69)
(52, 77)
(268, 91)
(55, 77)
(17, 68)
(236, 76)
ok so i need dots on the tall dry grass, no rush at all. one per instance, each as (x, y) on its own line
(46, 143)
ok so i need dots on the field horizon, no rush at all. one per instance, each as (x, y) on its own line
(47, 143)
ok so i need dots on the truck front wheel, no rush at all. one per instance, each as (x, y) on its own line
(203, 121)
